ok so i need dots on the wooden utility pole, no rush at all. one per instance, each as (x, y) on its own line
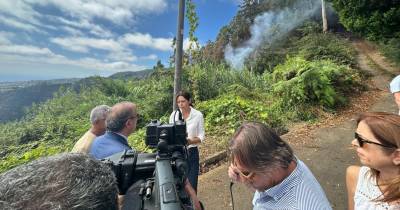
(178, 54)
(324, 20)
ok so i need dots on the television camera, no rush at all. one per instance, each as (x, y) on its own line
(154, 180)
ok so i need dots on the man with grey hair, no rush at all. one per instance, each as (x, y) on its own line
(265, 163)
(97, 119)
(120, 122)
(68, 181)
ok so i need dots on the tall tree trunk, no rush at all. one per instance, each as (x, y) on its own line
(324, 19)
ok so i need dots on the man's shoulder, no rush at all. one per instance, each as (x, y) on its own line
(107, 135)
(104, 139)
(88, 135)
(309, 192)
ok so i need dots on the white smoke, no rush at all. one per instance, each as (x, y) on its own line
(269, 27)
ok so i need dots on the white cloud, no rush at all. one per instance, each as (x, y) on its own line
(30, 54)
(116, 11)
(21, 14)
(5, 37)
(80, 44)
(115, 66)
(19, 9)
(72, 31)
(12, 22)
(146, 40)
(149, 57)
(25, 50)
(122, 56)
(78, 29)
(93, 29)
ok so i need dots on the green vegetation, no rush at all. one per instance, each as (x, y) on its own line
(375, 20)
(378, 21)
(391, 49)
(14, 102)
(303, 84)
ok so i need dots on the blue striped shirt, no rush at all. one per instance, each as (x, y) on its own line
(299, 191)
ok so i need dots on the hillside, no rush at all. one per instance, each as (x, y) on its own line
(19, 96)
(10, 86)
(132, 74)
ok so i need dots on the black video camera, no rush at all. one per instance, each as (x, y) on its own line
(154, 180)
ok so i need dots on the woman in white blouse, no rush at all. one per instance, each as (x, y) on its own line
(195, 130)
(376, 184)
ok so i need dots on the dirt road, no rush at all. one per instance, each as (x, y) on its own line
(325, 147)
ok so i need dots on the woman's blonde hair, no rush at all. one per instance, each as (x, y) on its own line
(386, 128)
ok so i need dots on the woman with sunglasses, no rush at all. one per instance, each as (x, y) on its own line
(376, 184)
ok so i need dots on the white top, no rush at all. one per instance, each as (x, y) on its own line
(194, 124)
(395, 84)
(366, 191)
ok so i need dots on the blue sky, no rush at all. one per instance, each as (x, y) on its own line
(47, 39)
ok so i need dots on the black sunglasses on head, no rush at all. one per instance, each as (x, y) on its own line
(361, 142)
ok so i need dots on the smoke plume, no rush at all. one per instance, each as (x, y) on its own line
(269, 27)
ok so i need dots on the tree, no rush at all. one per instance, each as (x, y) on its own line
(193, 21)
(324, 19)
(375, 19)
(158, 66)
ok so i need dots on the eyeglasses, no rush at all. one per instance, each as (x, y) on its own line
(361, 142)
(245, 174)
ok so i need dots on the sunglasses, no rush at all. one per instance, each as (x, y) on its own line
(361, 142)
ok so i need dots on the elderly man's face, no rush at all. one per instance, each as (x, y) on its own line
(100, 125)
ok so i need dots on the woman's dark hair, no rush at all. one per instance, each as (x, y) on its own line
(186, 95)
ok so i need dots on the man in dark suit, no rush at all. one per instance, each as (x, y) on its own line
(121, 122)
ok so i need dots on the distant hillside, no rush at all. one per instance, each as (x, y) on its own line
(16, 97)
(14, 101)
(132, 74)
(10, 86)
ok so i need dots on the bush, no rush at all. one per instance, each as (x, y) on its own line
(376, 20)
(391, 49)
(324, 83)
(208, 82)
(325, 47)
(230, 110)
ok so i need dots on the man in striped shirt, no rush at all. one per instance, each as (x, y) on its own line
(265, 163)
